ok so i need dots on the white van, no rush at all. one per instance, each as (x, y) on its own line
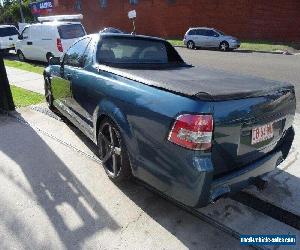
(8, 37)
(53, 36)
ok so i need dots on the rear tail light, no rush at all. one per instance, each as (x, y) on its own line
(192, 131)
(59, 45)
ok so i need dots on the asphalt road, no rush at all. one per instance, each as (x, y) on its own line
(270, 66)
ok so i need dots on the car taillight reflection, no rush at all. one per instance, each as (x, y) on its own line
(59, 45)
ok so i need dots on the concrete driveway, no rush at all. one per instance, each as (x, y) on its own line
(55, 195)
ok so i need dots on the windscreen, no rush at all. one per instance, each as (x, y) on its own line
(221, 33)
(71, 31)
(136, 50)
(8, 31)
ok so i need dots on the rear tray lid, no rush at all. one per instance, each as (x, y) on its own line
(204, 83)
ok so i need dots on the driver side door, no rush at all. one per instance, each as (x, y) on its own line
(24, 43)
(67, 88)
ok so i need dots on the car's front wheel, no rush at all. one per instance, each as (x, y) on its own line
(112, 152)
(224, 46)
(190, 45)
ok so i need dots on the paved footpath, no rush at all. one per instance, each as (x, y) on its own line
(25, 79)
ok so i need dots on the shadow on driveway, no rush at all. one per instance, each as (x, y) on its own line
(52, 184)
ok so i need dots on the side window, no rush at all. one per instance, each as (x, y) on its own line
(86, 58)
(25, 33)
(75, 55)
(210, 33)
(200, 32)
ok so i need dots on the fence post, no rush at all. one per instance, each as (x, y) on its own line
(6, 100)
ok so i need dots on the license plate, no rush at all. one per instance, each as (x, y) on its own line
(262, 133)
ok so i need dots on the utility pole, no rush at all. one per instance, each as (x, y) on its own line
(6, 100)
(21, 12)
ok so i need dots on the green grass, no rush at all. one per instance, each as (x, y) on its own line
(176, 42)
(23, 97)
(256, 45)
(267, 46)
(25, 66)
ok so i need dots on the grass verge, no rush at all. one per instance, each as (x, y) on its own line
(257, 45)
(268, 46)
(23, 97)
(25, 66)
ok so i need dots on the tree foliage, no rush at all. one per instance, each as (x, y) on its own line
(10, 11)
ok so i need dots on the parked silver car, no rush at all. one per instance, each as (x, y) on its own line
(209, 38)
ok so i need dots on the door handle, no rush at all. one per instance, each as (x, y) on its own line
(29, 43)
(10, 39)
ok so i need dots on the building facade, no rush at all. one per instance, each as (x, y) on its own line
(275, 20)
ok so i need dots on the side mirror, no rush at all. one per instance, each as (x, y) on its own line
(20, 37)
(54, 61)
(216, 35)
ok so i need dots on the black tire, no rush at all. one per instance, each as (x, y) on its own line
(21, 56)
(48, 94)
(112, 152)
(190, 45)
(48, 56)
(224, 46)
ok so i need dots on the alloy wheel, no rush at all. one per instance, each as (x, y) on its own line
(110, 149)
(190, 45)
(224, 46)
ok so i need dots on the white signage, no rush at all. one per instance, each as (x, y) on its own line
(132, 14)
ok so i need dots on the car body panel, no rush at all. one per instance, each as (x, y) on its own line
(145, 114)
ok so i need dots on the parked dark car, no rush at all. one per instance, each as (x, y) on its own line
(195, 134)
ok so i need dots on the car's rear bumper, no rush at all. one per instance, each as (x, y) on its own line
(206, 189)
(237, 180)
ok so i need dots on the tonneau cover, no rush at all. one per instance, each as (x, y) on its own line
(201, 82)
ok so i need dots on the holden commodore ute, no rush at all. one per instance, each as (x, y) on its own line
(192, 133)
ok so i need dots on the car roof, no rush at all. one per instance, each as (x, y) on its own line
(130, 36)
(54, 23)
(206, 28)
(7, 26)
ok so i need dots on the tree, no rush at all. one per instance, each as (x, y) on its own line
(10, 11)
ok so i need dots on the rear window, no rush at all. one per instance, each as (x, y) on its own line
(136, 50)
(71, 31)
(8, 31)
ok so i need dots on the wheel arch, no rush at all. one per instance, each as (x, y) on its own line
(223, 41)
(48, 55)
(107, 109)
